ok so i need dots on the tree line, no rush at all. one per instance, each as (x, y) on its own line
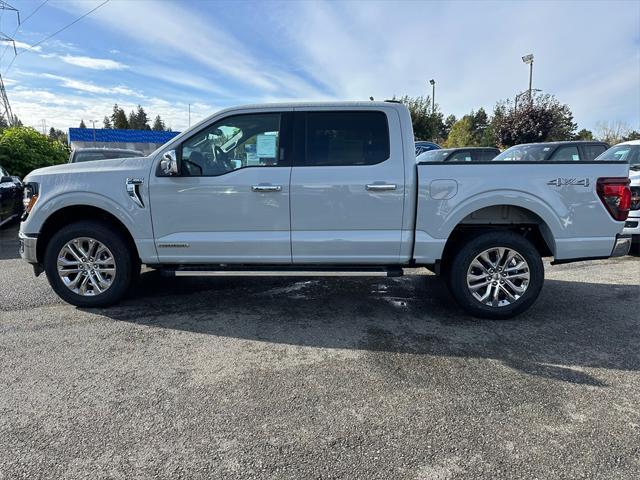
(137, 120)
(541, 118)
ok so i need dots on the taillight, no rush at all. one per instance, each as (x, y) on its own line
(616, 196)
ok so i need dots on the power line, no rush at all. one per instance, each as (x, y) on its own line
(65, 27)
(54, 34)
(20, 24)
(33, 13)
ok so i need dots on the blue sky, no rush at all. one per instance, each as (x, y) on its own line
(165, 55)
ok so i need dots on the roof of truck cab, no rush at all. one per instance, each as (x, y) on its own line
(630, 142)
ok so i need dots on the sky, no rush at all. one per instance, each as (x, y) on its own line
(212, 54)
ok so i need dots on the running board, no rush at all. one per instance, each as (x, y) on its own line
(282, 272)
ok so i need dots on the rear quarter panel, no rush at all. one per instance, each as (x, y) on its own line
(575, 221)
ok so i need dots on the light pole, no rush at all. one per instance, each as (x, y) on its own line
(433, 96)
(528, 59)
(94, 131)
(189, 114)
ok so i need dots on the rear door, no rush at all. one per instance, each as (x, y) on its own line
(347, 187)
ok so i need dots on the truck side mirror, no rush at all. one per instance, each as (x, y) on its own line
(169, 164)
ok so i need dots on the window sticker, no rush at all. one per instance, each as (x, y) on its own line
(266, 146)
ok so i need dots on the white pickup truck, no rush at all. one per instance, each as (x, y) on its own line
(319, 189)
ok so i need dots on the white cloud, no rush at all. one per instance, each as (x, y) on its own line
(203, 40)
(93, 63)
(26, 46)
(91, 87)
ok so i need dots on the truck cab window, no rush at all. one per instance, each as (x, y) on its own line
(233, 143)
(566, 154)
(343, 138)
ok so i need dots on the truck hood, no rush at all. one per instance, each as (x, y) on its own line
(94, 167)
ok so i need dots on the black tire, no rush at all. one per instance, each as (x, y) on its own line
(459, 264)
(635, 245)
(113, 241)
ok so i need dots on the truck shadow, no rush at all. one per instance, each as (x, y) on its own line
(574, 326)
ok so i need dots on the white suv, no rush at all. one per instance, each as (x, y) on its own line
(630, 152)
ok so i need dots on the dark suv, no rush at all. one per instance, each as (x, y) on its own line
(10, 197)
(465, 154)
(572, 151)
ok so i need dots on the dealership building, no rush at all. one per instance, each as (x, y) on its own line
(144, 140)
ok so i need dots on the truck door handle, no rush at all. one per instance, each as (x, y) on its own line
(381, 187)
(266, 188)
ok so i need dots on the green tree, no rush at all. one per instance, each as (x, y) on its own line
(23, 149)
(461, 134)
(448, 124)
(138, 119)
(107, 123)
(427, 123)
(58, 136)
(472, 130)
(543, 119)
(158, 124)
(82, 125)
(119, 118)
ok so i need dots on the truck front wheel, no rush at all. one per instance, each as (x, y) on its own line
(496, 275)
(88, 264)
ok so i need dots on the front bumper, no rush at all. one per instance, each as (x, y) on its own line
(28, 247)
(622, 246)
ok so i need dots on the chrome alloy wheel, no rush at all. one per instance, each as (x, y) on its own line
(86, 266)
(498, 277)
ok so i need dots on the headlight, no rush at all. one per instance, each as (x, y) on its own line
(30, 196)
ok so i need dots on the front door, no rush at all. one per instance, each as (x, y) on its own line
(230, 203)
(347, 187)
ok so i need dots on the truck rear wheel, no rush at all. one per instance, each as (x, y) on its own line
(496, 275)
(88, 264)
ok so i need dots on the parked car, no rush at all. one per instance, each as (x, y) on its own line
(467, 154)
(629, 152)
(10, 197)
(572, 151)
(90, 154)
(240, 194)
(422, 146)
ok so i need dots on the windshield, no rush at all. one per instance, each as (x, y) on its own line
(89, 156)
(433, 156)
(524, 153)
(622, 153)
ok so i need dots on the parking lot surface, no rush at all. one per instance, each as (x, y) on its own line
(319, 378)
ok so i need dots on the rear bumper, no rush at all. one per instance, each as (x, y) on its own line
(28, 246)
(622, 246)
(632, 225)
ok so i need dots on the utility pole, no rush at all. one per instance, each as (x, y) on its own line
(189, 115)
(44, 126)
(94, 131)
(433, 96)
(528, 59)
(6, 107)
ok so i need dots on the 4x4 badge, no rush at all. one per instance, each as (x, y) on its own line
(561, 182)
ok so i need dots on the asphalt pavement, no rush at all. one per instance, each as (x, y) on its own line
(319, 378)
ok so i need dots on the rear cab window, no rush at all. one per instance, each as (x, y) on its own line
(591, 152)
(341, 138)
(566, 153)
